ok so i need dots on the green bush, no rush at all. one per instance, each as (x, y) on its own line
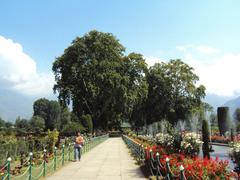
(37, 123)
(87, 122)
(206, 139)
(51, 139)
(72, 128)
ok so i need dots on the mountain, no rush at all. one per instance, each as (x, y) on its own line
(13, 104)
(215, 101)
(233, 104)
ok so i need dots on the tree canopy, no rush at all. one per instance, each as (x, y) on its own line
(107, 86)
(49, 111)
(172, 93)
(98, 79)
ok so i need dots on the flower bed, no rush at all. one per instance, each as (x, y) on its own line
(195, 167)
(235, 152)
(224, 140)
(191, 144)
(164, 139)
(220, 139)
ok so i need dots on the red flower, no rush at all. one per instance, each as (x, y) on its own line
(195, 167)
(189, 167)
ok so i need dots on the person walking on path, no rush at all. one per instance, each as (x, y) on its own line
(78, 146)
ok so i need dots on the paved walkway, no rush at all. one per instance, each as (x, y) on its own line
(108, 161)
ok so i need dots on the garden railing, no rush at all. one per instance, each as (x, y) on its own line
(31, 170)
(156, 168)
(136, 148)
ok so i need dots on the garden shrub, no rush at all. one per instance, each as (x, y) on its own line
(52, 138)
(224, 123)
(87, 122)
(205, 138)
(235, 152)
(191, 143)
(72, 128)
(165, 140)
(195, 167)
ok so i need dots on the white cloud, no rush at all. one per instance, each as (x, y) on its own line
(203, 49)
(181, 48)
(218, 72)
(18, 71)
(220, 75)
(151, 60)
(206, 49)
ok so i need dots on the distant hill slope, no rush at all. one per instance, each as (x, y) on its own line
(215, 101)
(233, 104)
(13, 105)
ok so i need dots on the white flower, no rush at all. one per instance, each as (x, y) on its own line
(164, 139)
(191, 142)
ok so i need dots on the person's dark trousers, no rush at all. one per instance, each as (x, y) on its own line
(77, 153)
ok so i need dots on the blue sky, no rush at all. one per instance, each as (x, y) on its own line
(205, 34)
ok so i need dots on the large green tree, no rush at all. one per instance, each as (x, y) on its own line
(50, 111)
(172, 92)
(54, 115)
(98, 79)
(65, 117)
(93, 75)
(40, 108)
(135, 70)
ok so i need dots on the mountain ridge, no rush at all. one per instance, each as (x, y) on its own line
(13, 104)
(233, 104)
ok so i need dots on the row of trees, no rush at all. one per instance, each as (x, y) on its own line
(105, 86)
(50, 115)
(103, 83)
(5, 124)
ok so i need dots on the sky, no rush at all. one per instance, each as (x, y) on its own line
(204, 34)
